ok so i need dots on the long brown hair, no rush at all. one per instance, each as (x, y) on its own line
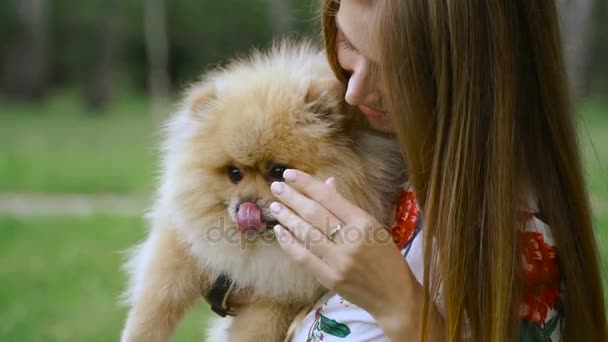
(478, 94)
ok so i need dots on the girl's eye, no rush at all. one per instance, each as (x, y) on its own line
(234, 174)
(346, 46)
(276, 172)
(344, 43)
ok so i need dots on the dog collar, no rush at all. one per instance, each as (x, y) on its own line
(217, 296)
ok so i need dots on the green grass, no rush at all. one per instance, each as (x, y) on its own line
(58, 146)
(601, 223)
(594, 140)
(60, 279)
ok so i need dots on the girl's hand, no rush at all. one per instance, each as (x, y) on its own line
(361, 262)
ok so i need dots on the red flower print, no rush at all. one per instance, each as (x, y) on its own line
(541, 277)
(406, 217)
(525, 216)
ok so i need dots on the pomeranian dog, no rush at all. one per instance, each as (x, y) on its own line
(211, 228)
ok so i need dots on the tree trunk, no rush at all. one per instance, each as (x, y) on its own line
(98, 91)
(24, 68)
(597, 71)
(576, 20)
(155, 26)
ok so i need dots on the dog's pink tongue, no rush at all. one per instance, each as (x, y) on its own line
(249, 216)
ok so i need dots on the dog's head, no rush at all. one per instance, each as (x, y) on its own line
(242, 126)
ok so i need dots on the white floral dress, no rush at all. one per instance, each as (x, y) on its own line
(334, 319)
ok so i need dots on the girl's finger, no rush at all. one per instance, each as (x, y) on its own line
(308, 209)
(304, 257)
(326, 195)
(312, 238)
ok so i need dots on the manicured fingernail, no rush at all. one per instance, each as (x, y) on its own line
(276, 188)
(275, 207)
(289, 175)
(330, 181)
(279, 232)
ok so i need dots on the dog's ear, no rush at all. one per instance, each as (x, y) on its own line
(324, 95)
(199, 95)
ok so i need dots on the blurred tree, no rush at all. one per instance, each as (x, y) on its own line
(24, 66)
(305, 17)
(100, 83)
(203, 34)
(280, 14)
(157, 49)
(597, 70)
(102, 45)
(5, 26)
(576, 19)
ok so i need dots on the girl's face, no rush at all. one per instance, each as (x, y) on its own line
(358, 55)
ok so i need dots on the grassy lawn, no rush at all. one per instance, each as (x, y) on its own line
(594, 139)
(60, 279)
(59, 147)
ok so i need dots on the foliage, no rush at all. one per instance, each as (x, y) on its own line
(201, 34)
(597, 66)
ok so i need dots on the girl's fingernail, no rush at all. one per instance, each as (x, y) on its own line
(330, 181)
(289, 175)
(276, 188)
(276, 207)
(279, 232)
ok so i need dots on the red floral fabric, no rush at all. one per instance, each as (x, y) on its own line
(406, 218)
(539, 311)
(541, 276)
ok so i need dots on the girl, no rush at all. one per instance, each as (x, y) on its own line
(475, 92)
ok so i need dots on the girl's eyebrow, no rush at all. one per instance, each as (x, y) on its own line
(347, 41)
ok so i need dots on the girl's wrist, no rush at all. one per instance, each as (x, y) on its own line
(405, 322)
(400, 315)
(399, 311)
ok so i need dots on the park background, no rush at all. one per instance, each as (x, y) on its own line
(84, 86)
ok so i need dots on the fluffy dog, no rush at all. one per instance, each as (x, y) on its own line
(235, 133)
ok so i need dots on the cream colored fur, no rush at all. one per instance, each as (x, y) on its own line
(282, 107)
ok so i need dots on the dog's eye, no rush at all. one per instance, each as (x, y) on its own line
(276, 172)
(234, 174)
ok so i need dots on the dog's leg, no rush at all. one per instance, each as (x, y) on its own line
(262, 321)
(165, 282)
